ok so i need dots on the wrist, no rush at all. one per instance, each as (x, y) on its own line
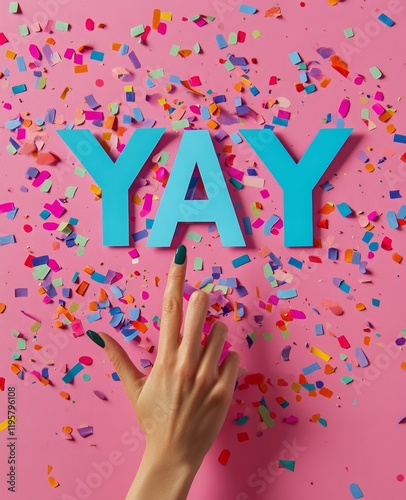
(162, 476)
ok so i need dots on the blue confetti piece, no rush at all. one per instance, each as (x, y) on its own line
(392, 220)
(402, 212)
(309, 89)
(139, 235)
(247, 9)
(295, 263)
(115, 376)
(367, 236)
(399, 138)
(93, 317)
(247, 225)
(240, 261)
(386, 20)
(71, 374)
(318, 328)
(269, 224)
(295, 58)
(221, 41)
(137, 113)
(344, 209)
(96, 55)
(395, 194)
(283, 122)
(18, 89)
(287, 294)
(6, 240)
(311, 368)
(21, 64)
(356, 491)
(327, 186)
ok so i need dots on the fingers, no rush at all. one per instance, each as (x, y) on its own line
(172, 312)
(131, 377)
(214, 346)
(191, 347)
(229, 371)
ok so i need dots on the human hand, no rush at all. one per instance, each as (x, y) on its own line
(182, 404)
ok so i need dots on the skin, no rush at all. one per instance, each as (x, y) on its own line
(182, 404)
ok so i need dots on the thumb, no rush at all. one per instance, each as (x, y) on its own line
(129, 374)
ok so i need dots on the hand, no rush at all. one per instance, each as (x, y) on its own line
(182, 404)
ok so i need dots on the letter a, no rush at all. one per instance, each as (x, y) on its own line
(114, 179)
(297, 180)
(196, 147)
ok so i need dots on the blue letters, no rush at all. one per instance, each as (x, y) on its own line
(297, 180)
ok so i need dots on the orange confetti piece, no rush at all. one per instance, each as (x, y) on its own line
(96, 190)
(37, 347)
(325, 82)
(185, 53)
(212, 124)
(390, 128)
(339, 65)
(15, 368)
(88, 269)
(273, 12)
(2, 308)
(156, 19)
(328, 369)
(49, 469)
(324, 391)
(403, 365)
(360, 306)
(369, 167)
(102, 295)
(64, 395)
(47, 159)
(396, 257)
(80, 68)
(53, 482)
(157, 279)
(81, 289)
(327, 209)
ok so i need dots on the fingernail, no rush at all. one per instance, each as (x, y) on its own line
(180, 255)
(95, 337)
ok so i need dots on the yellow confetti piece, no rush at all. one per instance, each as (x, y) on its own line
(321, 354)
(10, 54)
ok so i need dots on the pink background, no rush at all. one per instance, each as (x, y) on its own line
(362, 442)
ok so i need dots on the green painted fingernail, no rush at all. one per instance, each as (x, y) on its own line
(180, 255)
(95, 337)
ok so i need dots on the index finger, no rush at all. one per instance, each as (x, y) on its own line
(172, 310)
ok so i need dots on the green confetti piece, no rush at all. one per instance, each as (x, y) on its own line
(267, 336)
(35, 327)
(229, 65)
(70, 191)
(21, 344)
(198, 264)
(287, 464)
(302, 66)
(365, 114)
(40, 272)
(61, 26)
(179, 124)
(114, 108)
(163, 159)
(57, 282)
(13, 7)
(80, 172)
(156, 73)
(264, 412)
(11, 149)
(42, 82)
(256, 34)
(86, 377)
(346, 379)
(80, 251)
(16, 356)
(23, 29)
(81, 240)
(232, 38)
(174, 50)
(375, 72)
(194, 236)
(348, 32)
(222, 288)
(46, 186)
(137, 30)
(197, 48)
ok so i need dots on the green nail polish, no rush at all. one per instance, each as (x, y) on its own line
(95, 337)
(180, 255)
